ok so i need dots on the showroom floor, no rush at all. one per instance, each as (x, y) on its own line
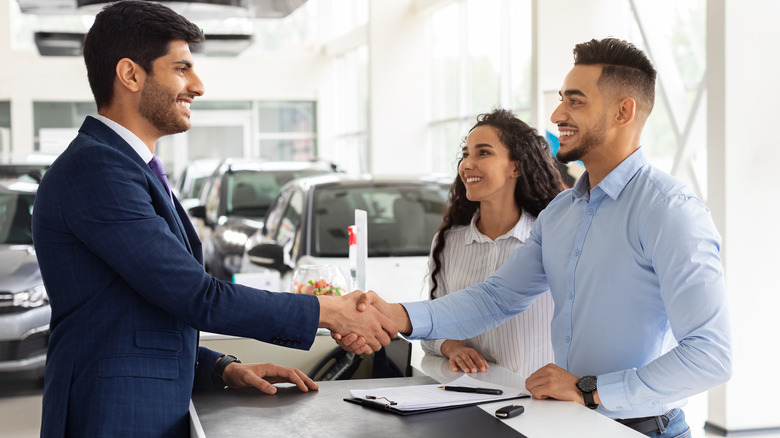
(20, 406)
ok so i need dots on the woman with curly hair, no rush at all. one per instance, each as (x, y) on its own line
(506, 176)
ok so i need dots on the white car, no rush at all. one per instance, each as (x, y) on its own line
(308, 223)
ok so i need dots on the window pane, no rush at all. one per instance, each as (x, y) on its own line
(287, 150)
(5, 114)
(198, 104)
(295, 32)
(447, 139)
(484, 54)
(286, 116)
(520, 49)
(351, 153)
(213, 142)
(352, 86)
(445, 30)
(5, 130)
(348, 15)
(59, 115)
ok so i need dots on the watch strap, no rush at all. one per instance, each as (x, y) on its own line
(589, 401)
(219, 368)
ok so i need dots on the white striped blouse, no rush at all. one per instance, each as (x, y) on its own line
(522, 343)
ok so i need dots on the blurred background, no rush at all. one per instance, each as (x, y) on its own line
(377, 87)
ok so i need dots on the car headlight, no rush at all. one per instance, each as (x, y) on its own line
(236, 238)
(35, 297)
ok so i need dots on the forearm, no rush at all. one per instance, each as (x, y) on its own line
(682, 372)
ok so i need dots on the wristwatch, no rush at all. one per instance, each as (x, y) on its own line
(587, 385)
(219, 368)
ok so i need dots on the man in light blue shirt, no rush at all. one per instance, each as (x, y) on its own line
(631, 256)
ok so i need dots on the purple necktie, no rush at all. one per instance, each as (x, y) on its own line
(158, 170)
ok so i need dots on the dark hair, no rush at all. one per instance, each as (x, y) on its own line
(626, 69)
(138, 30)
(538, 184)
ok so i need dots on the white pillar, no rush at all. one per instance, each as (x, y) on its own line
(742, 174)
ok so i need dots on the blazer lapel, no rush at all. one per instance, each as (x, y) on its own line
(161, 201)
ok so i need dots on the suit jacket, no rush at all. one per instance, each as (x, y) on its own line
(128, 293)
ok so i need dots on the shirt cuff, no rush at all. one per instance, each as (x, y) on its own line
(612, 391)
(421, 319)
(437, 346)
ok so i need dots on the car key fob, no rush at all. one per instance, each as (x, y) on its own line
(509, 411)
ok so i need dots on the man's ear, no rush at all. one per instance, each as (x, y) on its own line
(626, 111)
(129, 74)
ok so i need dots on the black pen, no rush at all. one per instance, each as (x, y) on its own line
(470, 389)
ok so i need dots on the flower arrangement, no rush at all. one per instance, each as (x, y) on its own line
(319, 287)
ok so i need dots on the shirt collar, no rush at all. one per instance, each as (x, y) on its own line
(521, 229)
(138, 146)
(615, 181)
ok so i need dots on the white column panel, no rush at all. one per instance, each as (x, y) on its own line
(743, 177)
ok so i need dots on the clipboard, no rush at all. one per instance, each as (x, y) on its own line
(417, 399)
(388, 408)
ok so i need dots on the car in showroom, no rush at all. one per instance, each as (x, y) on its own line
(234, 202)
(308, 225)
(24, 304)
(27, 170)
(189, 184)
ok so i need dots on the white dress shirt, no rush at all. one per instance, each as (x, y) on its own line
(138, 146)
(521, 344)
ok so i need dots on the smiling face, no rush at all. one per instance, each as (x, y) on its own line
(169, 89)
(486, 168)
(581, 116)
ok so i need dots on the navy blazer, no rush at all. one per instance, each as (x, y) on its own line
(128, 292)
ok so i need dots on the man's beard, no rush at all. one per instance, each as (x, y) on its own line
(587, 143)
(159, 106)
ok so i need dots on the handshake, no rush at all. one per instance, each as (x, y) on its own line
(362, 322)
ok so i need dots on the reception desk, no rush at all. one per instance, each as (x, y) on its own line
(323, 413)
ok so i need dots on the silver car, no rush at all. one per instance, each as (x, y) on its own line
(24, 304)
(307, 225)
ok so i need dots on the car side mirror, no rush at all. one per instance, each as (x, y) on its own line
(269, 255)
(198, 211)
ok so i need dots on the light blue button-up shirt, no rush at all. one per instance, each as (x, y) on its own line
(635, 272)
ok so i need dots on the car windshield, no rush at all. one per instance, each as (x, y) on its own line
(195, 187)
(250, 193)
(16, 218)
(402, 219)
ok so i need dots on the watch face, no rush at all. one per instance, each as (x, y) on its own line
(587, 384)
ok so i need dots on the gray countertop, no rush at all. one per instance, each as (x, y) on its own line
(324, 413)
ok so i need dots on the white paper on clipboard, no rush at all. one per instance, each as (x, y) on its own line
(361, 222)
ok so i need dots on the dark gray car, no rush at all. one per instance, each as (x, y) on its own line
(234, 202)
(24, 305)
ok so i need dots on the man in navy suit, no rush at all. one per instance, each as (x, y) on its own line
(122, 263)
